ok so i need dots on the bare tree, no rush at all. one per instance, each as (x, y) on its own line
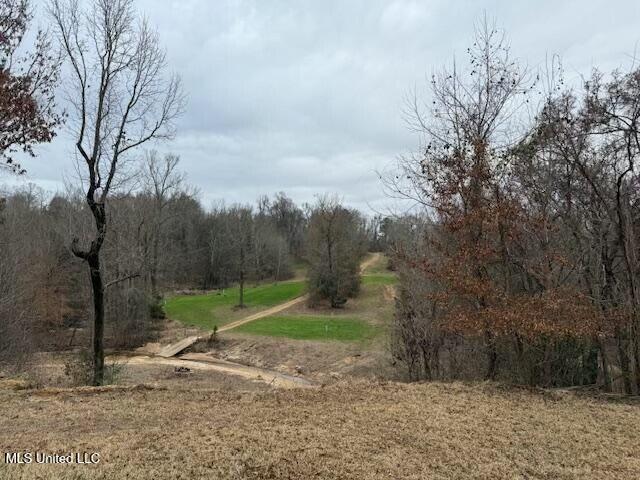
(290, 222)
(162, 181)
(241, 228)
(121, 99)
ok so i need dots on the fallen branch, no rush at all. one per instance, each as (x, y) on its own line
(128, 277)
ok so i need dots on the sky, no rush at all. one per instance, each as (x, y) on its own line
(307, 97)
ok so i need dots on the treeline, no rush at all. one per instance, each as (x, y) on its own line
(524, 262)
(161, 239)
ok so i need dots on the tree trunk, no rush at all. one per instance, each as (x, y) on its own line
(604, 365)
(279, 262)
(635, 332)
(625, 239)
(153, 271)
(523, 369)
(92, 257)
(241, 301)
(426, 364)
(492, 356)
(623, 359)
(98, 318)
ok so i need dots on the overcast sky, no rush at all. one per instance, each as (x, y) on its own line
(306, 97)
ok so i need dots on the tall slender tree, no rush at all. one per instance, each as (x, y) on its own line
(121, 98)
(241, 228)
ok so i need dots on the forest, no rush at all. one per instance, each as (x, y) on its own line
(525, 264)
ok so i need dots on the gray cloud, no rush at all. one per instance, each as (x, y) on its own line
(307, 96)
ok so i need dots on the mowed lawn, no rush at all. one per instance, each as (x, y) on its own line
(378, 273)
(218, 308)
(311, 327)
(360, 322)
(364, 318)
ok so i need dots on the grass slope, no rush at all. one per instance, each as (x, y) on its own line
(378, 266)
(359, 321)
(218, 308)
(378, 274)
(349, 431)
(364, 318)
(310, 327)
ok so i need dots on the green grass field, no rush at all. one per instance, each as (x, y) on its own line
(364, 318)
(311, 327)
(217, 309)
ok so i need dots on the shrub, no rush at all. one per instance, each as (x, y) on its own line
(78, 369)
(156, 308)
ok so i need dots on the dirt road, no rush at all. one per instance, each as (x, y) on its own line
(373, 258)
(202, 361)
(175, 348)
(264, 313)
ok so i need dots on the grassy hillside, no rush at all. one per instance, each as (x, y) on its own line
(378, 274)
(362, 319)
(356, 431)
(218, 308)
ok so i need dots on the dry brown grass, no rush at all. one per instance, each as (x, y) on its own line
(356, 430)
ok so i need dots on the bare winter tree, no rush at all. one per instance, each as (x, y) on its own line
(121, 98)
(241, 228)
(589, 141)
(162, 181)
